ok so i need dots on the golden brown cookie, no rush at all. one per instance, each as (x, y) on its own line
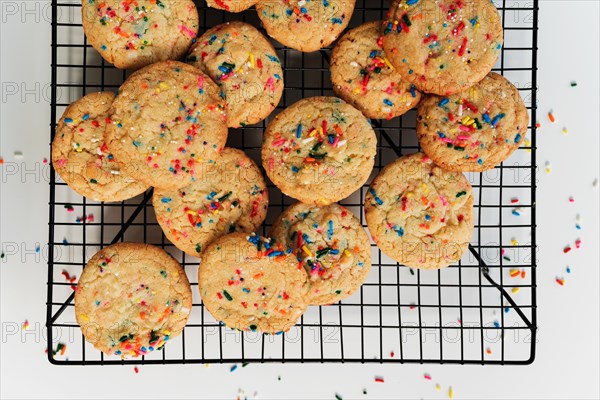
(332, 246)
(251, 283)
(305, 25)
(131, 299)
(474, 130)
(233, 6)
(419, 214)
(136, 33)
(363, 76)
(167, 123)
(246, 67)
(82, 159)
(319, 150)
(227, 196)
(443, 46)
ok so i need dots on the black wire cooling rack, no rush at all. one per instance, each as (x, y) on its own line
(481, 311)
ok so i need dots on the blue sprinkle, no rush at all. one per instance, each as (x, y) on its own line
(303, 10)
(497, 324)
(233, 368)
(377, 199)
(275, 253)
(295, 169)
(137, 143)
(211, 195)
(428, 217)
(245, 290)
(273, 58)
(443, 102)
(277, 76)
(399, 231)
(325, 3)
(486, 118)
(334, 251)
(441, 134)
(165, 200)
(299, 131)
(85, 117)
(411, 2)
(336, 20)
(306, 238)
(388, 102)
(568, 270)
(103, 47)
(223, 69)
(412, 91)
(373, 54)
(68, 120)
(330, 230)
(288, 12)
(480, 161)
(497, 119)
(517, 138)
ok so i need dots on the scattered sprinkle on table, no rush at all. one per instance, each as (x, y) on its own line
(548, 168)
(338, 396)
(514, 200)
(551, 117)
(427, 376)
(136, 370)
(450, 393)
(379, 379)
(233, 368)
(573, 83)
(488, 350)
(560, 281)
(568, 269)
(25, 325)
(567, 249)
(45, 161)
(565, 131)
(18, 154)
(595, 183)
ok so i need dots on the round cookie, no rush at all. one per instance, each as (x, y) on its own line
(363, 76)
(167, 123)
(305, 25)
(133, 34)
(234, 6)
(443, 46)
(245, 65)
(131, 299)
(332, 246)
(252, 284)
(474, 130)
(80, 156)
(419, 214)
(319, 150)
(228, 196)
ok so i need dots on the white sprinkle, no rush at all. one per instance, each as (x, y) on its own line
(354, 64)
(460, 110)
(308, 140)
(114, 172)
(342, 143)
(301, 3)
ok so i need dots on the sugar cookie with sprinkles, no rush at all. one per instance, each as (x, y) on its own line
(131, 299)
(443, 46)
(475, 130)
(82, 159)
(135, 33)
(419, 214)
(245, 65)
(319, 150)
(233, 6)
(251, 283)
(332, 246)
(305, 25)
(364, 77)
(227, 196)
(166, 124)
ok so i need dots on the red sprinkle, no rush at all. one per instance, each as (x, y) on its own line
(567, 249)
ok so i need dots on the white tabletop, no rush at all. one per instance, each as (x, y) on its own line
(567, 363)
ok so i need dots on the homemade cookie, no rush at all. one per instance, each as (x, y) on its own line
(167, 123)
(234, 6)
(332, 246)
(80, 156)
(419, 214)
(319, 150)
(305, 25)
(252, 284)
(474, 130)
(443, 46)
(227, 196)
(131, 299)
(363, 76)
(136, 33)
(245, 65)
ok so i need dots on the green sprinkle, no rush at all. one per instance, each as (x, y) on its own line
(338, 397)
(338, 291)
(227, 295)
(252, 327)
(322, 252)
(317, 156)
(224, 197)
(459, 194)
(198, 248)
(93, 181)
(163, 273)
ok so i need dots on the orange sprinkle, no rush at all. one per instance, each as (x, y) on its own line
(424, 200)
(142, 315)
(259, 275)
(551, 116)
(296, 11)
(338, 130)
(309, 160)
(514, 273)
(523, 273)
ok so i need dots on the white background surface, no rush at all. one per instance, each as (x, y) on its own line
(567, 363)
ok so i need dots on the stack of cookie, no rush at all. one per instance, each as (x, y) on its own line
(168, 126)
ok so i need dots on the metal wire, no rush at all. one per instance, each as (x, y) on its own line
(397, 310)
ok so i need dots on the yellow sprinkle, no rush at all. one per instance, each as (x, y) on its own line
(438, 387)
(528, 144)
(515, 290)
(163, 86)
(356, 91)
(387, 62)
(450, 393)
(565, 131)
(514, 242)
(85, 318)
(79, 149)
(306, 251)
(347, 253)
(191, 212)
(251, 60)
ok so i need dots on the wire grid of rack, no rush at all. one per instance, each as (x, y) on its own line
(470, 313)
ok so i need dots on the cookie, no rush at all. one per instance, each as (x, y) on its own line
(363, 76)
(331, 244)
(251, 283)
(474, 130)
(136, 33)
(443, 46)
(319, 150)
(131, 299)
(246, 67)
(227, 196)
(305, 25)
(234, 6)
(419, 214)
(167, 123)
(81, 158)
